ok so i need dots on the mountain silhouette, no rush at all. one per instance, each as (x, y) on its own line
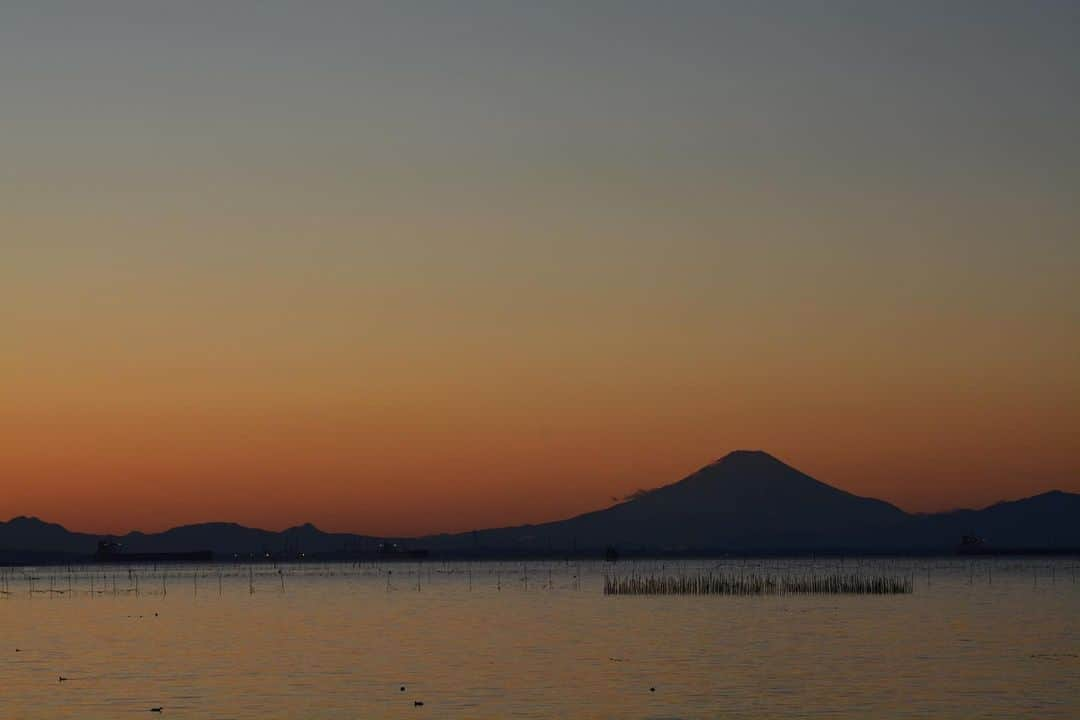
(23, 535)
(233, 539)
(1049, 520)
(31, 534)
(747, 501)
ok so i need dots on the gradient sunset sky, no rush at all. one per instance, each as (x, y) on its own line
(410, 267)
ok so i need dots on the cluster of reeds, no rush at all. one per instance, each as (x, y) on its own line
(755, 584)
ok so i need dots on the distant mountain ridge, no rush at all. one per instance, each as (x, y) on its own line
(747, 501)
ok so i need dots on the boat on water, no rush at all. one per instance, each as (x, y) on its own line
(112, 551)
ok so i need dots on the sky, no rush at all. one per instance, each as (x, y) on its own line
(404, 267)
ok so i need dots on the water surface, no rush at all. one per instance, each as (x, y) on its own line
(983, 638)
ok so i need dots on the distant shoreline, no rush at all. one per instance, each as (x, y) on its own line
(32, 559)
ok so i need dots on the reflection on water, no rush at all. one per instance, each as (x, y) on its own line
(989, 637)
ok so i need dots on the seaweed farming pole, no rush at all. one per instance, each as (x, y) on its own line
(753, 583)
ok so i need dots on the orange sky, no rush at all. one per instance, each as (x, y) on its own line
(403, 274)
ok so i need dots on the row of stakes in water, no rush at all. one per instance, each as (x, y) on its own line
(726, 576)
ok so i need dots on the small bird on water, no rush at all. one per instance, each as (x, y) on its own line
(418, 703)
(61, 678)
(157, 709)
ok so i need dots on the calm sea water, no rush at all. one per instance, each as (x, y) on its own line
(989, 638)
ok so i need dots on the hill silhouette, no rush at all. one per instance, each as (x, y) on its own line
(747, 501)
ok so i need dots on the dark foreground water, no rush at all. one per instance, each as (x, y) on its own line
(977, 639)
